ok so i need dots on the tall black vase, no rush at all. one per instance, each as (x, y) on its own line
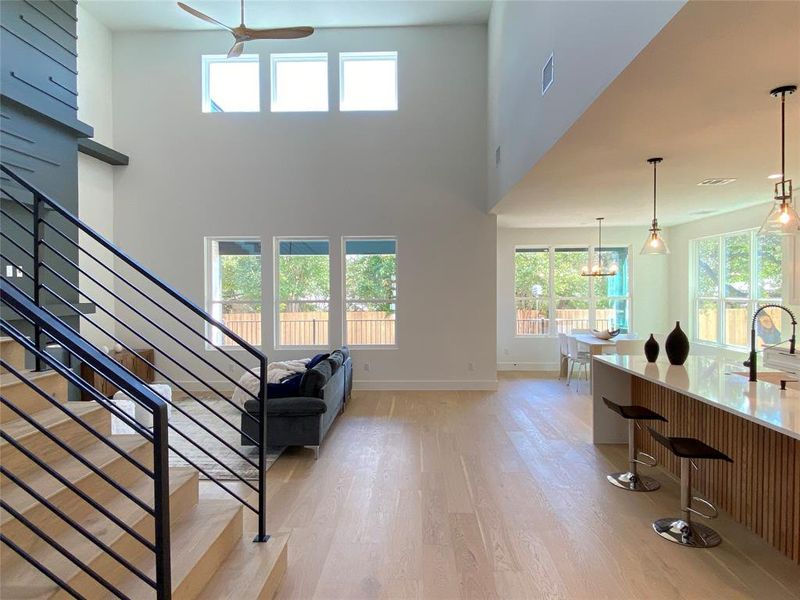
(677, 345)
(651, 349)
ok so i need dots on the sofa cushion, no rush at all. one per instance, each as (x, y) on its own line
(286, 388)
(295, 407)
(314, 380)
(335, 360)
(316, 360)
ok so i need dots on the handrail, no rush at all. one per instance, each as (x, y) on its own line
(114, 372)
(132, 263)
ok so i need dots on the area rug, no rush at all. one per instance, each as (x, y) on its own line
(210, 445)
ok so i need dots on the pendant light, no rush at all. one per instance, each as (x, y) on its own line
(783, 218)
(597, 270)
(654, 244)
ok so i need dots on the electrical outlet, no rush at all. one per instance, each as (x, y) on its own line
(470, 366)
(366, 366)
(505, 351)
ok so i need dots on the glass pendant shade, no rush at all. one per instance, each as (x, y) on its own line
(781, 220)
(655, 244)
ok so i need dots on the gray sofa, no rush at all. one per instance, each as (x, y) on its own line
(304, 420)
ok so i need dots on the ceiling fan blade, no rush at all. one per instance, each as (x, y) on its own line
(236, 50)
(202, 16)
(284, 33)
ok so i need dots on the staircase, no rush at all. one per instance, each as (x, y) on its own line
(91, 514)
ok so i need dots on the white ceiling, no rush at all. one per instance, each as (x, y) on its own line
(698, 95)
(142, 15)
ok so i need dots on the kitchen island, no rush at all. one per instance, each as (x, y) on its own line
(757, 424)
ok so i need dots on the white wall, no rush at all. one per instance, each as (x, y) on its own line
(649, 305)
(592, 43)
(417, 174)
(95, 178)
(680, 238)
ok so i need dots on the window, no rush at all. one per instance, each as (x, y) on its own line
(233, 288)
(303, 292)
(370, 287)
(230, 84)
(299, 82)
(552, 297)
(367, 81)
(734, 274)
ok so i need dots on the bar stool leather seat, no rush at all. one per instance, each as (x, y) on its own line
(686, 447)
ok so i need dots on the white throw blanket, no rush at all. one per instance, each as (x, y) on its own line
(276, 372)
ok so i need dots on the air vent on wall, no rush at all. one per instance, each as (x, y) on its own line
(547, 74)
(717, 181)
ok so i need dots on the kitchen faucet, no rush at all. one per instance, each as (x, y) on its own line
(751, 361)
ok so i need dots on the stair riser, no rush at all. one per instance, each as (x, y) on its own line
(68, 431)
(30, 401)
(120, 470)
(13, 354)
(181, 501)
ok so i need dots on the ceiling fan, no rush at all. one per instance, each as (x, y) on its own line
(244, 34)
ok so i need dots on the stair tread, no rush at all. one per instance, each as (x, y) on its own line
(191, 537)
(99, 454)
(23, 575)
(245, 573)
(7, 379)
(47, 418)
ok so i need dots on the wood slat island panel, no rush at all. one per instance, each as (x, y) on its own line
(760, 489)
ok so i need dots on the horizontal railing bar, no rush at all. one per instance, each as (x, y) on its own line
(168, 378)
(66, 553)
(41, 568)
(149, 320)
(83, 495)
(20, 202)
(78, 527)
(211, 478)
(15, 244)
(17, 223)
(144, 339)
(56, 207)
(77, 455)
(149, 298)
(84, 386)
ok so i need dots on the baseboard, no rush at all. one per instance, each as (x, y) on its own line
(432, 385)
(528, 366)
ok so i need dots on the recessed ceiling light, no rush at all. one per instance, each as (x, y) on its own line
(717, 181)
(775, 176)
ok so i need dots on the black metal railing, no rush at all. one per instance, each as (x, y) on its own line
(64, 264)
(50, 328)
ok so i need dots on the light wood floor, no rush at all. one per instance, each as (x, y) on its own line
(445, 495)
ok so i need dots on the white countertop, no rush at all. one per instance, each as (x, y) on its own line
(712, 380)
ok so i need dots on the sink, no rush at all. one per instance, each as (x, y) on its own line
(773, 378)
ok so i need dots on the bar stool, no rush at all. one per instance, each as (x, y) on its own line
(631, 480)
(681, 530)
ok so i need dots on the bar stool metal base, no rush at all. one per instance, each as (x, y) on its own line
(692, 535)
(633, 482)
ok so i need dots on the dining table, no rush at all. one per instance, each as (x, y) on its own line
(595, 345)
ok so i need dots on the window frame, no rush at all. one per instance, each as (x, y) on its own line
(297, 57)
(207, 61)
(343, 286)
(752, 300)
(276, 291)
(208, 288)
(553, 299)
(369, 56)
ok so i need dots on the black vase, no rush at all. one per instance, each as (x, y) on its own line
(651, 349)
(677, 345)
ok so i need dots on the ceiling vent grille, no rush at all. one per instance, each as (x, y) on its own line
(547, 75)
(717, 181)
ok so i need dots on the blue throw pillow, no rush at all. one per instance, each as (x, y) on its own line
(285, 389)
(316, 360)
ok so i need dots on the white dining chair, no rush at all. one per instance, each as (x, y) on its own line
(581, 359)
